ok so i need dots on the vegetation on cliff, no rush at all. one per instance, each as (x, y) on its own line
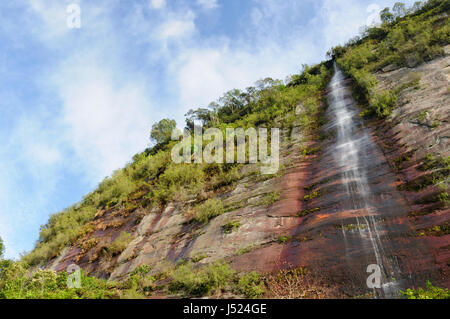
(402, 40)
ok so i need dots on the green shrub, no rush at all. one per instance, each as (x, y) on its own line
(178, 180)
(431, 292)
(270, 198)
(141, 270)
(244, 250)
(198, 257)
(311, 195)
(437, 230)
(306, 151)
(119, 244)
(139, 283)
(189, 175)
(16, 282)
(2, 248)
(115, 190)
(149, 166)
(430, 162)
(444, 198)
(231, 226)
(251, 285)
(284, 239)
(208, 210)
(364, 79)
(200, 281)
(383, 103)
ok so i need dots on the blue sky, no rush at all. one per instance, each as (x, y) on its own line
(78, 103)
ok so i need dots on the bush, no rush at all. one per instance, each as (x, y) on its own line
(270, 198)
(251, 285)
(431, 292)
(16, 282)
(231, 226)
(383, 103)
(200, 281)
(298, 284)
(208, 210)
(311, 196)
(115, 190)
(2, 248)
(148, 167)
(183, 175)
(284, 239)
(358, 57)
(178, 179)
(139, 282)
(119, 245)
(430, 163)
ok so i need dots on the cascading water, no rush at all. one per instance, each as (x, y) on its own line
(351, 155)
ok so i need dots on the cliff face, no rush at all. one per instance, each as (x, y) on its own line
(418, 128)
(311, 214)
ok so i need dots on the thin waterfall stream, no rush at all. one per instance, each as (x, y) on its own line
(350, 153)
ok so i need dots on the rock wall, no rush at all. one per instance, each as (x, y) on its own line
(420, 126)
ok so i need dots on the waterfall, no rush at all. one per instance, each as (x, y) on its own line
(350, 153)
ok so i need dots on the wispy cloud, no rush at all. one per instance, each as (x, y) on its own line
(157, 4)
(208, 4)
(105, 122)
(178, 26)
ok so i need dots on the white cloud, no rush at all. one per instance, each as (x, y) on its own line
(343, 20)
(36, 144)
(40, 150)
(177, 27)
(157, 4)
(45, 154)
(106, 122)
(53, 15)
(208, 4)
(29, 179)
(204, 74)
